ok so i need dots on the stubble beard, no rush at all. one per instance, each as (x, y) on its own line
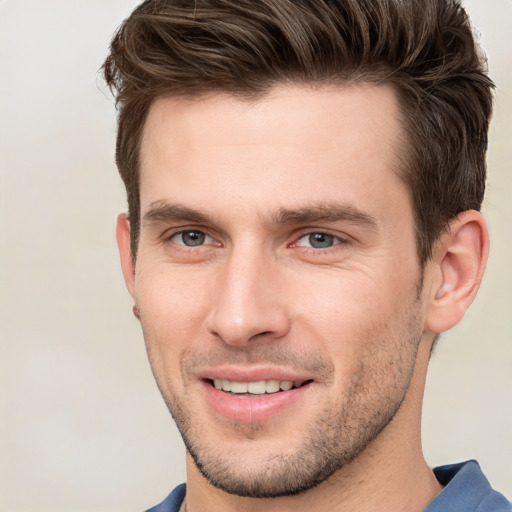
(337, 436)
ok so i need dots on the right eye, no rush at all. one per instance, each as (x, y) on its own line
(191, 238)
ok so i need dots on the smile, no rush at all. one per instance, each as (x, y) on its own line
(259, 387)
(250, 401)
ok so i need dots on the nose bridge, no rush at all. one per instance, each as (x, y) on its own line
(247, 301)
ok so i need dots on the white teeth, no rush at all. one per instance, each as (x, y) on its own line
(256, 388)
(285, 385)
(272, 386)
(238, 387)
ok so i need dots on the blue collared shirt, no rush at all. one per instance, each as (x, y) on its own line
(465, 490)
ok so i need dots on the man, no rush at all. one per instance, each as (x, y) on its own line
(304, 181)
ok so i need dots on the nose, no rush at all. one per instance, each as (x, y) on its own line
(247, 304)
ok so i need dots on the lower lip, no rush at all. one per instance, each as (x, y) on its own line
(251, 409)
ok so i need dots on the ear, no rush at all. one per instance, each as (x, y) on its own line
(123, 243)
(456, 270)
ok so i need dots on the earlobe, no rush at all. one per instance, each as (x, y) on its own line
(123, 243)
(457, 269)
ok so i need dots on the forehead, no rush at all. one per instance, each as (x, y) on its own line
(322, 114)
(295, 144)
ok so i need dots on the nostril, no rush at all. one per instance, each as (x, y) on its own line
(264, 333)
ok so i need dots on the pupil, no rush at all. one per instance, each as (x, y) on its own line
(192, 238)
(321, 240)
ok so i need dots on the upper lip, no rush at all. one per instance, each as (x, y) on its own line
(252, 374)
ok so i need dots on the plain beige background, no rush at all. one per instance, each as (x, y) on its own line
(82, 425)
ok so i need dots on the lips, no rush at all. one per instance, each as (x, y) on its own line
(238, 395)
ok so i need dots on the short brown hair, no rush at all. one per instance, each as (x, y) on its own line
(424, 48)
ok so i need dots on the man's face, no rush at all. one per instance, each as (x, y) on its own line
(277, 249)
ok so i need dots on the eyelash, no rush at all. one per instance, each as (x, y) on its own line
(171, 236)
(338, 244)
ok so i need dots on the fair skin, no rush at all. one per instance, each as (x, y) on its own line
(277, 246)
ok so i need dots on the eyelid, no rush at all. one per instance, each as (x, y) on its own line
(207, 238)
(342, 242)
(170, 235)
(341, 237)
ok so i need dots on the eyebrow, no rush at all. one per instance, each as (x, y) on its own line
(325, 212)
(162, 211)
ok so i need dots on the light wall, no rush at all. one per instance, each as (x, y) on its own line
(82, 425)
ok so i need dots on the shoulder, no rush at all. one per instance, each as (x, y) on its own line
(173, 502)
(466, 489)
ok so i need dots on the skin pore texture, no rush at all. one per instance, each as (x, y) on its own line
(277, 244)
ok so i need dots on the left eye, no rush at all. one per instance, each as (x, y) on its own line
(191, 238)
(318, 240)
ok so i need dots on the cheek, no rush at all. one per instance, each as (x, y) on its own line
(172, 313)
(342, 301)
(171, 298)
(357, 318)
